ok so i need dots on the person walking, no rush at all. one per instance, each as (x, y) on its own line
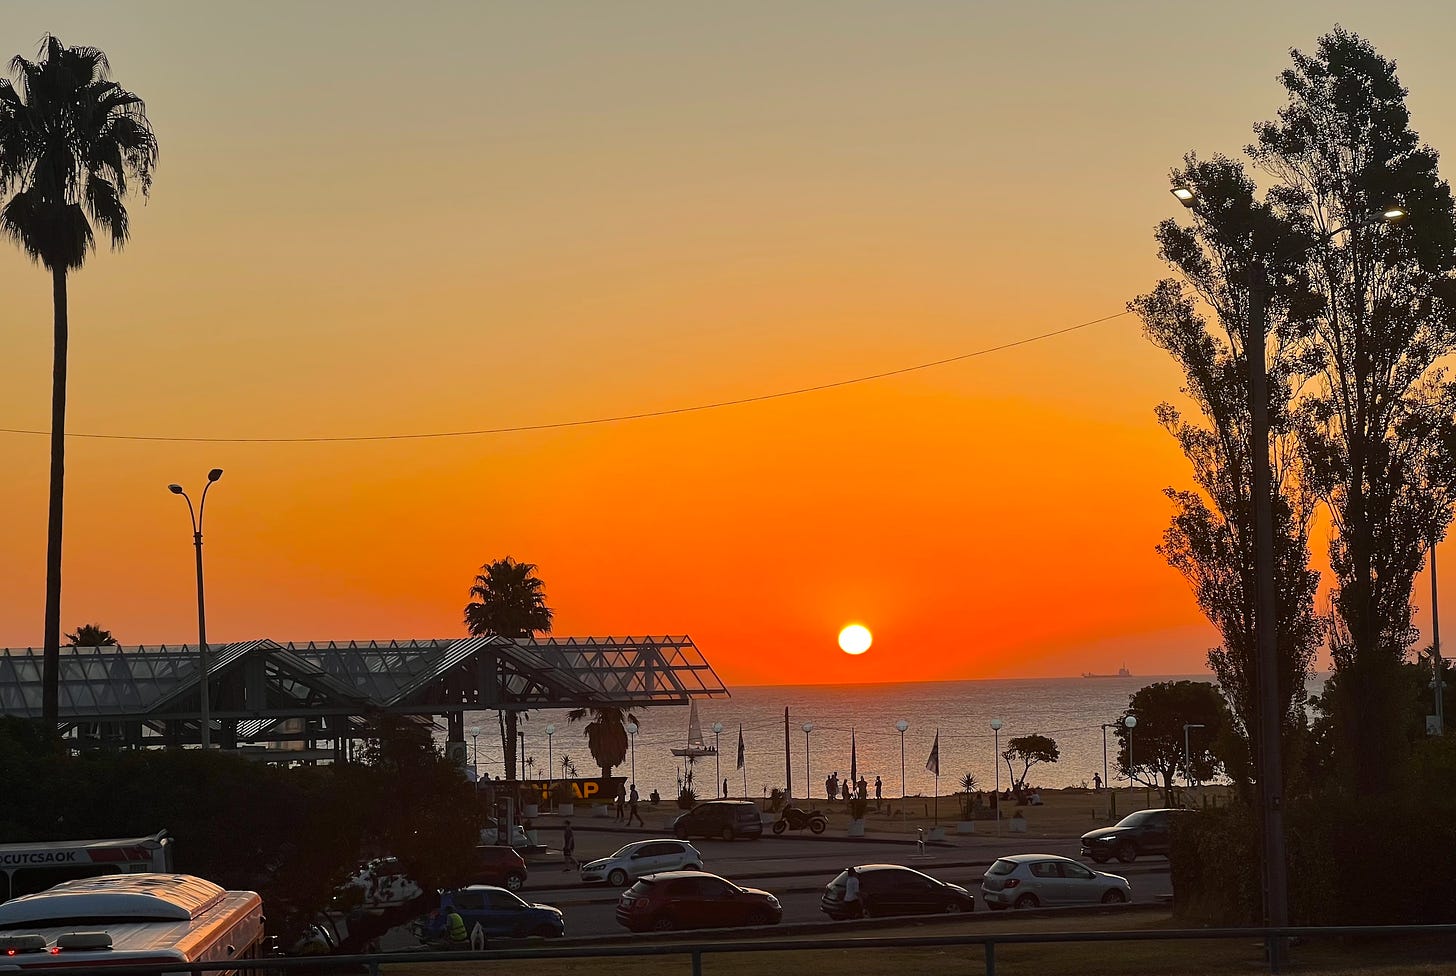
(863, 789)
(568, 846)
(852, 898)
(879, 788)
(725, 786)
(621, 803)
(632, 812)
(1097, 782)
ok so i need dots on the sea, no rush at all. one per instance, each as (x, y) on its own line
(852, 724)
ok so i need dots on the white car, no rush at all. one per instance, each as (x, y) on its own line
(1037, 880)
(641, 858)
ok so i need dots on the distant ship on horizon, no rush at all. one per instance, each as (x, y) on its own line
(1122, 672)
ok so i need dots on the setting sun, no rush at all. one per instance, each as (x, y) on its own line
(855, 639)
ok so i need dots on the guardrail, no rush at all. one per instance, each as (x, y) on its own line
(696, 951)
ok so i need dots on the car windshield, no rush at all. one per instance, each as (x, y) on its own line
(628, 850)
(506, 899)
(1135, 819)
(1002, 866)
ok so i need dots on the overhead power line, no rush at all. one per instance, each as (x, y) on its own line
(589, 422)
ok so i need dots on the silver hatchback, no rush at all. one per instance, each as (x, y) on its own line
(1037, 880)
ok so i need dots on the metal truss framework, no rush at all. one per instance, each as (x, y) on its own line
(264, 692)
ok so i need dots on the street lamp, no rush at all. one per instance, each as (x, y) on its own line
(632, 738)
(196, 516)
(1187, 756)
(900, 727)
(475, 750)
(996, 761)
(717, 759)
(550, 757)
(808, 781)
(1131, 723)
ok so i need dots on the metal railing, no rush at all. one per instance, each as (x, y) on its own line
(697, 950)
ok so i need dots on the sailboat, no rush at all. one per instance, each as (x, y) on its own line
(695, 746)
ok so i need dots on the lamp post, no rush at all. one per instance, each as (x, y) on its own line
(550, 757)
(521, 757)
(1269, 761)
(1439, 668)
(475, 750)
(1131, 723)
(717, 759)
(808, 727)
(1187, 755)
(996, 761)
(632, 738)
(205, 719)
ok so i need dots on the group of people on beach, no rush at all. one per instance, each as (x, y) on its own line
(627, 806)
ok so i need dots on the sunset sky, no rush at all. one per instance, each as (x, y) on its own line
(385, 218)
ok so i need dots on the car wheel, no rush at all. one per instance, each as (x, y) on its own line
(1127, 852)
(817, 826)
(1099, 856)
(663, 923)
(1028, 901)
(617, 878)
(759, 916)
(780, 826)
(1114, 896)
(515, 881)
(680, 832)
(728, 833)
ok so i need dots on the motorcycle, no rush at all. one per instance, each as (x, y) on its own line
(793, 818)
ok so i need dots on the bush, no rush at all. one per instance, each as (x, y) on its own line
(687, 799)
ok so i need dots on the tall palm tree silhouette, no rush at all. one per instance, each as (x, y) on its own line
(91, 635)
(72, 144)
(508, 603)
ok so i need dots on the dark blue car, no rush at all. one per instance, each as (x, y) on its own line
(498, 912)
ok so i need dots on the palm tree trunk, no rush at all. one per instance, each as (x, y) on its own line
(51, 660)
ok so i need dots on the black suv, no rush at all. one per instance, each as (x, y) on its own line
(720, 818)
(1144, 832)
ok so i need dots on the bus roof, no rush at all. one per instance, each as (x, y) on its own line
(116, 897)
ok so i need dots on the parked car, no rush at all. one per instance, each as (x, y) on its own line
(500, 914)
(642, 857)
(889, 889)
(694, 900)
(497, 865)
(1036, 880)
(1144, 832)
(728, 819)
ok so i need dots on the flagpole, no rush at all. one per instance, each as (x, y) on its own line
(937, 778)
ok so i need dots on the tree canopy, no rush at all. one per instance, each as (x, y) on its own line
(1029, 750)
(1162, 709)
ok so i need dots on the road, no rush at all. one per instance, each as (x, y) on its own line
(796, 869)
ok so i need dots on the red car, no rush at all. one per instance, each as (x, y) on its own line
(694, 900)
(501, 866)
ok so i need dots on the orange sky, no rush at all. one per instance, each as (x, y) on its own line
(384, 219)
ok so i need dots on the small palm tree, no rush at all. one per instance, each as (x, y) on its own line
(90, 635)
(606, 735)
(71, 145)
(508, 602)
(568, 768)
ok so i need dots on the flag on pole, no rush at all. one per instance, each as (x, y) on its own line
(740, 745)
(853, 760)
(933, 763)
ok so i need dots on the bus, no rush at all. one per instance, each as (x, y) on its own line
(28, 868)
(172, 921)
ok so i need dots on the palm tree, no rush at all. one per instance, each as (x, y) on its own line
(90, 635)
(70, 140)
(508, 603)
(606, 735)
